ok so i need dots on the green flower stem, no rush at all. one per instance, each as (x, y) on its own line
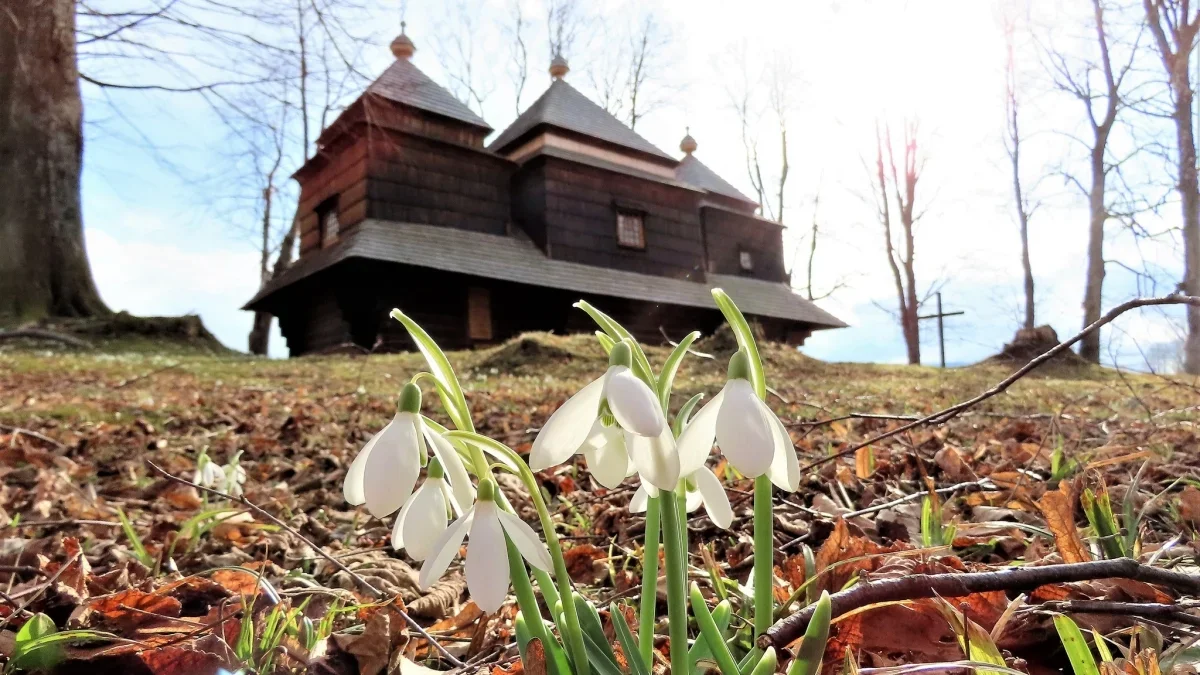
(525, 597)
(764, 558)
(649, 602)
(677, 608)
(573, 634)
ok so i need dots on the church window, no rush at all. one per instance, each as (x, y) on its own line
(745, 260)
(327, 221)
(631, 232)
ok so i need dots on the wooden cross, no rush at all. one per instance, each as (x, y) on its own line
(940, 315)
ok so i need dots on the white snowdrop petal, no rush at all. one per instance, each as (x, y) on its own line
(352, 486)
(487, 559)
(655, 458)
(696, 442)
(632, 402)
(609, 462)
(393, 467)
(456, 471)
(716, 502)
(567, 428)
(785, 466)
(444, 550)
(744, 435)
(426, 520)
(526, 540)
(692, 501)
(640, 499)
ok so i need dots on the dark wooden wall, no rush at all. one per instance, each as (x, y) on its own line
(312, 321)
(340, 170)
(581, 219)
(726, 233)
(419, 180)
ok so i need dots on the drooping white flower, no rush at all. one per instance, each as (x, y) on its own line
(423, 518)
(487, 567)
(234, 476)
(208, 473)
(385, 471)
(617, 398)
(701, 488)
(747, 432)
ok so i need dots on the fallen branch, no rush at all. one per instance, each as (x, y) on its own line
(18, 431)
(1148, 610)
(320, 551)
(943, 416)
(915, 586)
(40, 334)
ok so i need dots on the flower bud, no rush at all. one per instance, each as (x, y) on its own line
(621, 355)
(410, 398)
(739, 366)
(487, 490)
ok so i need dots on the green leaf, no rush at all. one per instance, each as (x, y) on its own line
(812, 649)
(135, 542)
(766, 664)
(1102, 647)
(722, 614)
(711, 632)
(641, 365)
(450, 392)
(685, 414)
(27, 655)
(628, 645)
(1075, 645)
(745, 339)
(666, 379)
(605, 341)
(975, 642)
(595, 641)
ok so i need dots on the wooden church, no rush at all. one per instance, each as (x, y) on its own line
(405, 206)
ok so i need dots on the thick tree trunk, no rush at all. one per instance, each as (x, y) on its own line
(44, 268)
(1089, 346)
(261, 332)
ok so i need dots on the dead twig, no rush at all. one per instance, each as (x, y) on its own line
(41, 589)
(1153, 610)
(917, 586)
(125, 383)
(18, 431)
(943, 416)
(450, 658)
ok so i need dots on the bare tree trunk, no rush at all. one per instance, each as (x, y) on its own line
(44, 267)
(1089, 346)
(1014, 154)
(260, 333)
(903, 267)
(1176, 49)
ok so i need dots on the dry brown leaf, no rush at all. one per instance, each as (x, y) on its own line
(132, 609)
(1058, 509)
(1189, 505)
(180, 661)
(535, 658)
(584, 563)
(864, 463)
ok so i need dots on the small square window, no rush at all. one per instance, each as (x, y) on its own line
(630, 230)
(327, 221)
(745, 261)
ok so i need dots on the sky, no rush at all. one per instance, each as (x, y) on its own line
(156, 165)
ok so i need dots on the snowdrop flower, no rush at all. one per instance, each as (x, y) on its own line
(385, 471)
(748, 433)
(208, 473)
(424, 516)
(234, 476)
(487, 567)
(701, 488)
(615, 420)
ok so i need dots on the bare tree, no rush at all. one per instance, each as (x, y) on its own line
(1174, 27)
(1102, 102)
(891, 184)
(563, 24)
(1012, 142)
(781, 79)
(455, 39)
(519, 48)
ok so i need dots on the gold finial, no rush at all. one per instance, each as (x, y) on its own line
(558, 67)
(402, 47)
(688, 144)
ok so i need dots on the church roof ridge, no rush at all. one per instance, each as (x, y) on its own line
(405, 83)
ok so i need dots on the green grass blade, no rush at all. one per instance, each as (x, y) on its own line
(666, 379)
(452, 395)
(766, 664)
(1075, 645)
(135, 542)
(685, 414)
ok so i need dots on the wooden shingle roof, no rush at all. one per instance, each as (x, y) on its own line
(564, 107)
(519, 260)
(404, 83)
(694, 172)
